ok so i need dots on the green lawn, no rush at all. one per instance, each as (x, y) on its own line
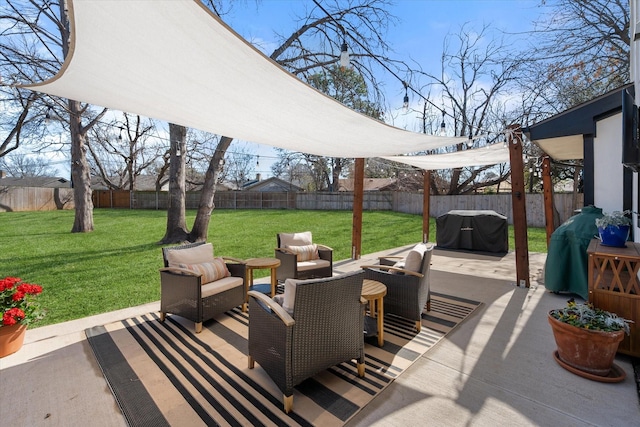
(116, 266)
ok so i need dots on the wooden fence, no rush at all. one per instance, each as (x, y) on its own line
(20, 199)
(29, 199)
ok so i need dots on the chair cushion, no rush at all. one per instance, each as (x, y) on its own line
(210, 271)
(413, 261)
(195, 255)
(304, 252)
(295, 239)
(312, 264)
(221, 285)
(289, 295)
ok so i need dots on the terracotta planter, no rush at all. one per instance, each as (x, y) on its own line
(11, 339)
(589, 351)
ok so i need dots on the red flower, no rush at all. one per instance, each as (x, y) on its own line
(12, 316)
(16, 305)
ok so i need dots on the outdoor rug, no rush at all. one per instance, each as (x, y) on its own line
(165, 374)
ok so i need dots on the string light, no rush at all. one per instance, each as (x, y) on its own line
(405, 103)
(443, 126)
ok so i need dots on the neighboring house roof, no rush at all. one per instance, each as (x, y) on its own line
(142, 183)
(36, 181)
(271, 185)
(370, 184)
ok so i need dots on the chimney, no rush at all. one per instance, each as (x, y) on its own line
(3, 174)
(258, 177)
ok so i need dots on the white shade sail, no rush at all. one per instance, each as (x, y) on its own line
(175, 61)
(489, 155)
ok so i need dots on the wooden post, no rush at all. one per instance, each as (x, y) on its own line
(514, 139)
(547, 191)
(358, 196)
(426, 197)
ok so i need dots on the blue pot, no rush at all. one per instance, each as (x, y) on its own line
(613, 235)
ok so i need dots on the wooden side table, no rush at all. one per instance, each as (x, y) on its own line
(614, 286)
(374, 292)
(256, 264)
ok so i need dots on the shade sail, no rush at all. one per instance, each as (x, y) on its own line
(490, 155)
(175, 61)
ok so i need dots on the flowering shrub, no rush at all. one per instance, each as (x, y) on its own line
(17, 303)
(588, 317)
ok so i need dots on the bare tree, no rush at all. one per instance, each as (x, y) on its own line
(478, 72)
(315, 44)
(34, 43)
(123, 150)
(580, 49)
(20, 165)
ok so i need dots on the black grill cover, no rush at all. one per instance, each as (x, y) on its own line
(473, 230)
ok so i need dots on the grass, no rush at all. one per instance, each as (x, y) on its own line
(116, 266)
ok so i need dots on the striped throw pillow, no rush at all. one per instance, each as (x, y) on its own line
(210, 271)
(305, 252)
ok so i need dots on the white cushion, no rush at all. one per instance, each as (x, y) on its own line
(304, 253)
(196, 255)
(289, 295)
(210, 271)
(295, 239)
(221, 286)
(312, 264)
(413, 261)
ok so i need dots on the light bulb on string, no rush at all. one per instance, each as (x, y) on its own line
(443, 126)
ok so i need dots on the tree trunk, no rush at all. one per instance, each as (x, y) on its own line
(176, 223)
(200, 228)
(80, 177)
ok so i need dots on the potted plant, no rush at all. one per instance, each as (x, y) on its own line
(18, 308)
(614, 228)
(587, 338)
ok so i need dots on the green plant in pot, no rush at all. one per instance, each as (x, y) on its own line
(587, 338)
(614, 228)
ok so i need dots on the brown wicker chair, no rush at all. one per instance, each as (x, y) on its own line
(182, 291)
(324, 329)
(291, 267)
(408, 289)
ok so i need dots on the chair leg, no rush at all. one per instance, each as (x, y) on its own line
(418, 325)
(198, 327)
(288, 403)
(429, 304)
(360, 370)
(163, 316)
(252, 362)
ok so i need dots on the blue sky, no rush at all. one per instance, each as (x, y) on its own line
(417, 38)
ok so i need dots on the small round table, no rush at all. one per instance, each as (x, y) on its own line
(260, 263)
(374, 292)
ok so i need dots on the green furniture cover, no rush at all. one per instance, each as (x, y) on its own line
(566, 267)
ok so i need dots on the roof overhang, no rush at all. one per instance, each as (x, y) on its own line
(562, 136)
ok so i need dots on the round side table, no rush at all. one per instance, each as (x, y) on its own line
(374, 292)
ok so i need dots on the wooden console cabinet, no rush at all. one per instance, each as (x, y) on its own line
(614, 286)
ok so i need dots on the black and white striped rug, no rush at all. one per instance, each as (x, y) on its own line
(165, 374)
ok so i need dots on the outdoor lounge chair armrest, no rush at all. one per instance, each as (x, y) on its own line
(274, 306)
(324, 247)
(390, 257)
(396, 269)
(181, 271)
(232, 259)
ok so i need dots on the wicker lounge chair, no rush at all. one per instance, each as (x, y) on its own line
(325, 328)
(300, 258)
(407, 282)
(186, 288)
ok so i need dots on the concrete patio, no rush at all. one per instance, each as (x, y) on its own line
(496, 368)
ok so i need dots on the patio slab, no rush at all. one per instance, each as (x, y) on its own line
(495, 369)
